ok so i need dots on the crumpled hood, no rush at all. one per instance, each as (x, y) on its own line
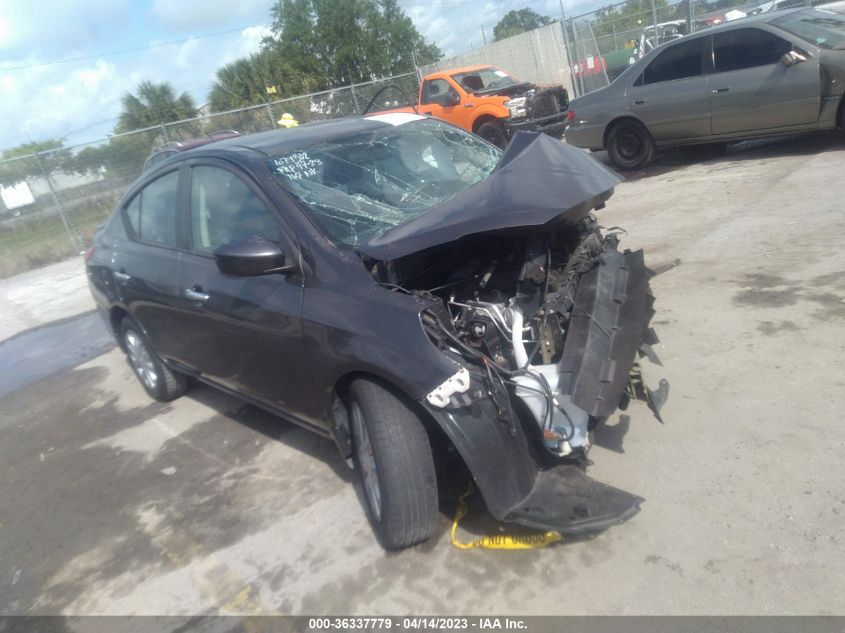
(537, 180)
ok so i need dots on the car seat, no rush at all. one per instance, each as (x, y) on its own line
(472, 83)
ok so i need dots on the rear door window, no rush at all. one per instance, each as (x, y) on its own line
(225, 208)
(747, 48)
(152, 212)
(679, 61)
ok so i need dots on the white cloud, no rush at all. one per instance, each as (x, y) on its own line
(53, 28)
(186, 15)
(251, 38)
(456, 25)
(81, 101)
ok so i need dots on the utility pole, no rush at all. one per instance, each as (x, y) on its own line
(483, 35)
(654, 17)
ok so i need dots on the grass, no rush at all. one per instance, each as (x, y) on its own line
(30, 243)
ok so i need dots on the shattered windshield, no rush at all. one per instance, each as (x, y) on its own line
(484, 79)
(356, 187)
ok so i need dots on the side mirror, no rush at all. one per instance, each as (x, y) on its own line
(251, 256)
(452, 99)
(792, 57)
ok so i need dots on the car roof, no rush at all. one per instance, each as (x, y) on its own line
(281, 141)
(767, 17)
(462, 69)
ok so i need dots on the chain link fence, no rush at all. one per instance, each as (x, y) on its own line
(539, 56)
(51, 203)
(608, 40)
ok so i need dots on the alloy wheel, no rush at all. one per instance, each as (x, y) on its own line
(141, 360)
(366, 460)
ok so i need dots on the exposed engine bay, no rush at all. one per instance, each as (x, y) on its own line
(537, 102)
(546, 323)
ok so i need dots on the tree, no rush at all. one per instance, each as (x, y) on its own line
(52, 156)
(246, 81)
(515, 22)
(154, 104)
(329, 44)
(629, 20)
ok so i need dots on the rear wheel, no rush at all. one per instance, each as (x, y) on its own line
(159, 381)
(493, 132)
(393, 458)
(630, 145)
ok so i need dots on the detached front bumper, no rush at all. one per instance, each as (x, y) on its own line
(516, 490)
(553, 125)
(567, 500)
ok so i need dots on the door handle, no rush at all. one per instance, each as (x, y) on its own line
(638, 102)
(468, 105)
(196, 294)
(718, 90)
(121, 276)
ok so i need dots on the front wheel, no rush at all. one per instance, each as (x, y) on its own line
(392, 455)
(158, 380)
(493, 132)
(630, 145)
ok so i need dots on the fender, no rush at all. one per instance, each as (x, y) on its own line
(515, 488)
(500, 113)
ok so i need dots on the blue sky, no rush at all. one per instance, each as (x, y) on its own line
(80, 100)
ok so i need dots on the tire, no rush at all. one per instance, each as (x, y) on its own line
(630, 145)
(392, 455)
(159, 381)
(493, 132)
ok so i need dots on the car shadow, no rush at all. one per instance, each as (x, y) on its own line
(671, 159)
(454, 480)
(273, 427)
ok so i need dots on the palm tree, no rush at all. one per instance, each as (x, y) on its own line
(246, 81)
(154, 104)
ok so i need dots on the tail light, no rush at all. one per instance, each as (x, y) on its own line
(89, 253)
(570, 115)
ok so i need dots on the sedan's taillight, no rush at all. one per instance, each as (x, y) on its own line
(89, 253)
(570, 115)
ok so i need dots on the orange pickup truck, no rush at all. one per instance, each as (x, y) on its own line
(491, 103)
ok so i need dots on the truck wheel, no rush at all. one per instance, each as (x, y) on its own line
(493, 132)
(160, 382)
(393, 458)
(630, 145)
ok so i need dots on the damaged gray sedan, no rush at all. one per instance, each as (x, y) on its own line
(400, 286)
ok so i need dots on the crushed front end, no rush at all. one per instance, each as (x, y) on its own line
(539, 109)
(545, 320)
(547, 328)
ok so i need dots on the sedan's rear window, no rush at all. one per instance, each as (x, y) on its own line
(825, 29)
(356, 187)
